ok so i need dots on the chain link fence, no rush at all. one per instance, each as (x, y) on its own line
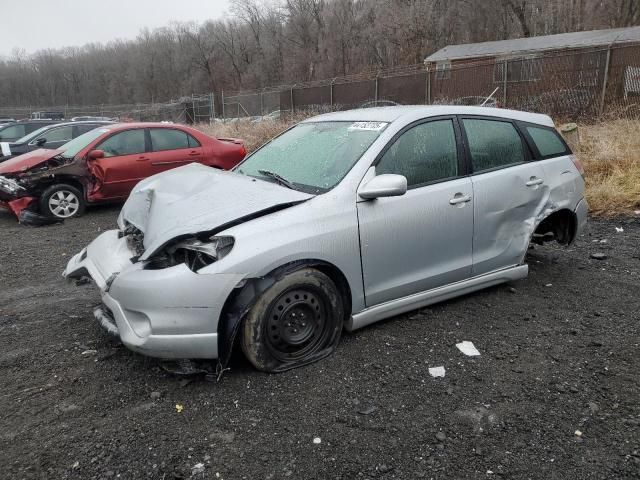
(586, 83)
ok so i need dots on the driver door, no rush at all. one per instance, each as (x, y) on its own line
(422, 239)
(125, 163)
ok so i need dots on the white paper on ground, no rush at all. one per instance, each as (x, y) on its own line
(468, 348)
(436, 371)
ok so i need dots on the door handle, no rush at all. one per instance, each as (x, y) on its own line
(534, 181)
(194, 154)
(460, 198)
(142, 159)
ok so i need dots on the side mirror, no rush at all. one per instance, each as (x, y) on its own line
(385, 185)
(41, 141)
(96, 154)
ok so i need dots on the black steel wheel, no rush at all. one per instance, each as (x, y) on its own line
(296, 321)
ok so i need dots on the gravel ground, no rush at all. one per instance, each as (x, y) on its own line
(554, 394)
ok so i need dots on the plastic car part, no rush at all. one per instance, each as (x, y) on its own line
(34, 219)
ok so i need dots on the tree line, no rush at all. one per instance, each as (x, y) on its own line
(272, 42)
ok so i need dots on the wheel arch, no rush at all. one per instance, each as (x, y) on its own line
(561, 226)
(243, 297)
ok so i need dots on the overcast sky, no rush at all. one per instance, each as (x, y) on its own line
(36, 24)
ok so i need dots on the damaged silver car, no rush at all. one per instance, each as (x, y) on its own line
(341, 221)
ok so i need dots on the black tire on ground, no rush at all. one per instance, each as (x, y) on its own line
(296, 321)
(62, 201)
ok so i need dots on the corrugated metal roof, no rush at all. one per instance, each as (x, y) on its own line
(591, 38)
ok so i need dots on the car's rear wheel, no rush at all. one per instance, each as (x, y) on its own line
(296, 321)
(62, 201)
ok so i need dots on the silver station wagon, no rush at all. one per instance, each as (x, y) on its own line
(343, 220)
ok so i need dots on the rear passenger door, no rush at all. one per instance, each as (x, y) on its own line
(171, 148)
(509, 192)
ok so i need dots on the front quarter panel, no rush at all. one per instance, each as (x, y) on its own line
(324, 228)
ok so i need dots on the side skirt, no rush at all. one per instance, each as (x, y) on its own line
(418, 300)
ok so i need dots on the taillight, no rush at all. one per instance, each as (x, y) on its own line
(576, 161)
(243, 152)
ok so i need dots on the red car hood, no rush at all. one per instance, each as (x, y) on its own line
(27, 161)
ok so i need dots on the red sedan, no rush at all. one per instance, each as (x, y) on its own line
(103, 165)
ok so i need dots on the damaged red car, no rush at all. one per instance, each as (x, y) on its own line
(104, 165)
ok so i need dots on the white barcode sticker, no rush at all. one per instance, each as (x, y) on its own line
(373, 126)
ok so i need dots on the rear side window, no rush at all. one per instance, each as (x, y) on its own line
(423, 154)
(168, 139)
(80, 129)
(548, 142)
(493, 144)
(62, 134)
(128, 142)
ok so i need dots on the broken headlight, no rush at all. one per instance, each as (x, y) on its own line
(9, 185)
(194, 253)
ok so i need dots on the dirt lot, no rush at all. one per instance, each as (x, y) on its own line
(560, 354)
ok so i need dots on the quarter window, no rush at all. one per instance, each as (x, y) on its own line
(493, 144)
(547, 141)
(128, 142)
(168, 139)
(14, 131)
(426, 153)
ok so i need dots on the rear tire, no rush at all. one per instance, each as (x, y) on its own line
(62, 201)
(296, 321)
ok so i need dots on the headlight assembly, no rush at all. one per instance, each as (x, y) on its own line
(194, 253)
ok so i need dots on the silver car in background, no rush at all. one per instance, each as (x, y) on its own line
(343, 220)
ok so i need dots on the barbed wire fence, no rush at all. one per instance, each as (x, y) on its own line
(582, 84)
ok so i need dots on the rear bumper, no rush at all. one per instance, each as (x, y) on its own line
(170, 313)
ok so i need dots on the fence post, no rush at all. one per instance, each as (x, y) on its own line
(505, 66)
(331, 93)
(428, 92)
(605, 80)
(376, 94)
(292, 106)
(223, 104)
(193, 106)
(212, 107)
(262, 102)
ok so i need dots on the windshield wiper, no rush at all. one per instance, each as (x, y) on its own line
(278, 178)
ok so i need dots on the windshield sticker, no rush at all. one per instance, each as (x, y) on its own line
(6, 150)
(372, 126)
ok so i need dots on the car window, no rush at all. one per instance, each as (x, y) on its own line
(314, 156)
(80, 129)
(61, 134)
(128, 142)
(168, 139)
(547, 141)
(493, 144)
(193, 143)
(13, 131)
(425, 153)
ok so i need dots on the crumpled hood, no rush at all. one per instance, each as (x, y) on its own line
(196, 198)
(28, 160)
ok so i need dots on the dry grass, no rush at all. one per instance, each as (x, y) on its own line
(253, 134)
(609, 151)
